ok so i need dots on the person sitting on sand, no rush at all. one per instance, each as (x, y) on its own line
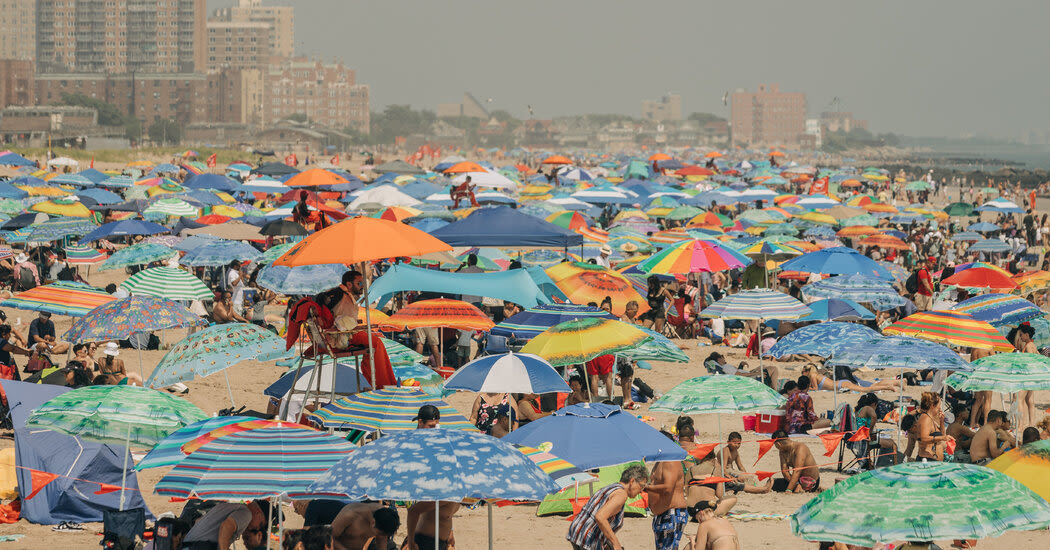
(716, 364)
(985, 444)
(362, 525)
(822, 380)
(715, 533)
(113, 367)
(797, 466)
(697, 470)
(420, 525)
(961, 432)
(800, 415)
(730, 456)
(595, 527)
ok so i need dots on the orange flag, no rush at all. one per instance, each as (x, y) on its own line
(92, 165)
(831, 441)
(38, 480)
(861, 435)
(764, 445)
(702, 450)
(212, 160)
(762, 476)
(107, 488)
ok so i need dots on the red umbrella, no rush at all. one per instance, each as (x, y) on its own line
(981, 277)
(694, 171)
(213, 219)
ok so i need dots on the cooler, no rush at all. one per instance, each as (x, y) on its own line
(769, 421)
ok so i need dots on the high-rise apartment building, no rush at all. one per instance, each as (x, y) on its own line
(281, 20)
(241, 45)
(120, 36)
(768, 117)
(327, 94)
(18, 29)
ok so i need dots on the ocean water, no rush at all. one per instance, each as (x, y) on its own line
(1030, 157)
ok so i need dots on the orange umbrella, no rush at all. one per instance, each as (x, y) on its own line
(713, 155)
(464, 167)
(583, 283)
(804, 246)
(882, 240)
(694, 171)
(398, 213)
(857, 231)
(315, 177)
(360, 239)
(659, 156)
(880, 207)
(776, 154)
(557, 159)
(440, 312)
(850, 183)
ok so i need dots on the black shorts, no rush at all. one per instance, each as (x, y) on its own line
(653, 314)
(425, 541)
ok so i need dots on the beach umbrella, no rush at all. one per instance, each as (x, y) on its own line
(581, 340)
(583, 283)
(836, 261)
(981, 277)
(718, 393)
(592, 435)
(302, 280)
(982, 227)
(59, 228)
(215, 349)
(657, 348)
(508, 373)
(898, 352)
(315, 177)
(960, 209)
(167, 282)
(534, 320)
(220, 253)
(949, 327)
(823, 339)
(999, 309)
(390, 409)
(60, 298)
(920, 501)
(169, 451)
(65, 206)
(557, 159)
(1000, 205)
(82, 254)
(1006, 373)
(757, 304)
(440, 312)
(989, 245)
(137, 254)
(694, 256)
(884, 241)
(835, 309)
(258, 463)
(358, 240)
(121, 415)
(1028, 465)
(283, 227)
(120, 319)
(967, 236)
(124, 228)
(274, 252)
(172, 207)
(858, 288)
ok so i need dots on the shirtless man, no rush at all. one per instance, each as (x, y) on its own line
(797, 465)
(985, 444)
(667, 502)
(420, 525)
(715, 533)
(364, 523)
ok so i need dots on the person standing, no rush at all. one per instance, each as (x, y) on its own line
(595, 527)
(667, 503)
(924, 293)
(235, 285)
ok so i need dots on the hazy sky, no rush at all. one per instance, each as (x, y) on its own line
(912, 67)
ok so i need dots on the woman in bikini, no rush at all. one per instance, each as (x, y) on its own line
(930, 428)
(488, 408)
(715, 533)
(823, 381)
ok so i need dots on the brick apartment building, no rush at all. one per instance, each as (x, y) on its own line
(768, 117)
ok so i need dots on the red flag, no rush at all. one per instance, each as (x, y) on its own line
(702, 450)
(291, 160)
(819, 187)
(107, 488)
(213, 160)
(335, 160)
(764, 445)
(716, 479)
(38, 480)
(762, 476)
(862, 434)
(831, 441)
(92, 165)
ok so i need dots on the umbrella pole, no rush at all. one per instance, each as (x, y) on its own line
(720, 458)
(368, 327)
(900, 399)
(758, 345)
(269, 523)
(124, 470)
(489, 506)
(142, 371)
(437, 525)
(229, 389)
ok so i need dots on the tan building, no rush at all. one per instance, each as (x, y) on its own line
(238, 45)
(121, 36)
(16, 83)
(18, 29)
(179, 97)
(841, 121)
(235, 97)
(327, 94)
(668, 108)
(281, 20)
(768, 117)
(469, 107)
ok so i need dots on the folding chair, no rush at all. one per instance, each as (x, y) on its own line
(123, 530)
(322, 347)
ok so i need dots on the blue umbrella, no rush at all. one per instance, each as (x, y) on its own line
(592, 435)
(835, 309)
(100, 196)
(72, 179)
(348, 381)
(837, 260)
(219, 252)
(211, 181)
(899, 352)
(822, 339)
(58, 228)
(123, 228)
(307, 279)
(137, 254)
(508, 373)
(989, 245)
(436, 465)
(535, 320)
(858, 288)
(195, 241)
(982, 227)
(999, 309)
(972, 236)
(205, 198)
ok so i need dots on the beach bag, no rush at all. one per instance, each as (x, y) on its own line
(25, 279)
(912, 284)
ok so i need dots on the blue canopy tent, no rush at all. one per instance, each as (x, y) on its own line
(211, 181)
(514, 285)
(506, 227)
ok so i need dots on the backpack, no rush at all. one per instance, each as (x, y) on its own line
(912, 284)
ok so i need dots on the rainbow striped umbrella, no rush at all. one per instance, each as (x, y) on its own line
(757, 304)
(169, 451)
(560, 470)
(694, 256)
(259, 463)
(60, 298)
(950, 327)
(387, 410)
(581, 340)
(999, 309)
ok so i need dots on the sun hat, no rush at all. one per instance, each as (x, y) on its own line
(112, 349)
(21, 257)
(605, 249)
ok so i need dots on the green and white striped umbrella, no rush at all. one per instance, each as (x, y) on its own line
(1005, 372)
(920, 501)
(660, 348)
(172, 207)
(167, 282)
(719, 393)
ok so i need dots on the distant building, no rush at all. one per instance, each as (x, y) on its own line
(813, 128)
(240, 45)
(768, 117)
(469, 107)
(327, 94)
(33, 125)
(180, 97)
(841, 121)
(667, 109)
(16, 83)
(280, 19)
(18, 29)
(125, 36)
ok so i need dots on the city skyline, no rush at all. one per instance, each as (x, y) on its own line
(911, 68)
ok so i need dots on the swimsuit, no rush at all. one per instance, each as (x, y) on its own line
(711, 543)
(668, 528)
(426, 541)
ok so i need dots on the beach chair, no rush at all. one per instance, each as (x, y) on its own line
(846, 421)
(321, 349)
(124, 529)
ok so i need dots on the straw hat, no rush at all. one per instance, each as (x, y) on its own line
(111, 349)
(605, 249)
(628, 247)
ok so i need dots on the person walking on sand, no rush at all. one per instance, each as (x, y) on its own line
(667, 503)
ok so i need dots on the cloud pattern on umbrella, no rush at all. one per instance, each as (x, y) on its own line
(822, 339)
(127, 316)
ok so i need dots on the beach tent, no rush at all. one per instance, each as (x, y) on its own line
(560, 503)
(506, 227)
(82, 466)
(515, 285)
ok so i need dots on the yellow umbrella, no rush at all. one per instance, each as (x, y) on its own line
(818, 217)
(62, 207)
(659, 211)
(228, 211)
(43, 191)
(583, 339)
(1029, 465)
(632, 213)
(225, 197)
(464, 212)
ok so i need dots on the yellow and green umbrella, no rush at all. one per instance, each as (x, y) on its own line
(66, 206)
(583, 339)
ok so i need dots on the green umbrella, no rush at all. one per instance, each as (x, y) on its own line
(273, 253)
(918, 502)
(121, 415)
(918, 185)
(718, 393)
(684, 212)
(137, 254)
(959, 209)
(660, 348)
(863, 219)
(1005, 372)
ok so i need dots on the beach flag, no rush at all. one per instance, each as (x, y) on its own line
(762, 476)
(107, 488)
(335, 160)
(213, 160)
(702, 450)
(860, 435)
(92, 165)
(764, 445)
(831, 442)
(38, 480)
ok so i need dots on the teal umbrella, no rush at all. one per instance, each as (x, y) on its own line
(718, 393)
(918, 502)
(274, 252)
(1005, 372)
(137, 254)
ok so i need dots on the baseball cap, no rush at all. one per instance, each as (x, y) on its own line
(428, 412)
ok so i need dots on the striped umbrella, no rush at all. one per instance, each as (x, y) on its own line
(659, 348)
(718, 393)
(167, 282)
(259, 463)
(387, 410)
(59, 228)
(84, 254)
(440, 312)
(767, 249)
(137, 254)
(857, 231)
(1005, 372)
(885, 241)
(757, 304)
(60, 298)
(859, 288)
(581, 340)
(137, 314)
(169, 451)
(508, 372)
(950, 327)
(999, 309)
(172, 207)
(401, 355)
(219, 252)
(560, 470)
(694, 256)
(534, 320)
(899, 352)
